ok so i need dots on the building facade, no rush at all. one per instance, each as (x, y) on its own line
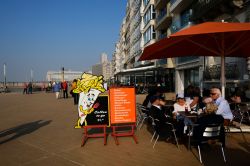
(103, 68)
(58, 76)
(159, 19)
(205, 71)
(137, 32)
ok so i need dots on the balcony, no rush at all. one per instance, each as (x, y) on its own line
(202, 7)
(213, 72)
(164, 19)
(161, 36)
(146, 2)
(179, 5)
(161, 4)
(174, 28)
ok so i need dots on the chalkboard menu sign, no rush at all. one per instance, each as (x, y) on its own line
(122, 105)
(100, 115)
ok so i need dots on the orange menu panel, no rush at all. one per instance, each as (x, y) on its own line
(122, 105)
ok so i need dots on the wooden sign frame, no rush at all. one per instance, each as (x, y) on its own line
(103, 134)
(122, 111)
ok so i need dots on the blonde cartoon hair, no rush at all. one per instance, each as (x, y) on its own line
(89, 81)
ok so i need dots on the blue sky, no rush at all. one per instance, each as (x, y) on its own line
(42, 35)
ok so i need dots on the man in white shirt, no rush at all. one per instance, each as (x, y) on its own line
(223, 106)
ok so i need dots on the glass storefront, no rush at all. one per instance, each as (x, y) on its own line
(191, 77)
(186, 59)
(148, 78)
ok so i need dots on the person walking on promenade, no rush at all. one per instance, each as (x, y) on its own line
(30, 88)
(74, 95)
(25, 88)
(223, 106)
(56, 89)
(65, 89)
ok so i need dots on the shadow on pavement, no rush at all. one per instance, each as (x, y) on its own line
(18, 131)
(212, 156)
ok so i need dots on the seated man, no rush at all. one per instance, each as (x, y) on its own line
(209, 117)
(223, 106)
(153, 92)
(158, 114)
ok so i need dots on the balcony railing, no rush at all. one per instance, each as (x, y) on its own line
(146, 2)
(161, 36)
(174, 28)
(172, 1)
(161, 14)
(213, 71)
(204, 6)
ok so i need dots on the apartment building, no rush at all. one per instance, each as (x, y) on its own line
(137, 32)
(204, 71)
(159, 19)
(103, 68)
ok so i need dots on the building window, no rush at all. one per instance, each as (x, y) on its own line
(172, 1)
(147, 17)
(185, 17)
(149, 35)
(191, 77)
(153, 16)
(145, 2)
(187, 59)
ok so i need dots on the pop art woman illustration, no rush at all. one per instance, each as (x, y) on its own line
(89, 87)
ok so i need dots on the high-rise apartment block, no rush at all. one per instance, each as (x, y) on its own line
(103, 68)
(148, 21)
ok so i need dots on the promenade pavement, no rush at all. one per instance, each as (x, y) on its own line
(38, 130)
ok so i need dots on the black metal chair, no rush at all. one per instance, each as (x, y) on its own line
(158, 133)
(144, 114)
(244, 111)
(213, 132)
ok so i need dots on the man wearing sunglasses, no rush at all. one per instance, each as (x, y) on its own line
(223, 106)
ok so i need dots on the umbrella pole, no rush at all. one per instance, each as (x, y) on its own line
(223, 68)
(223, 75)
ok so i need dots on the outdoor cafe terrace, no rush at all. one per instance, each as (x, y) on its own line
(37, 129)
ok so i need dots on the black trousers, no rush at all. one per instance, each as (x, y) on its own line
(76, 98)
(65, 93)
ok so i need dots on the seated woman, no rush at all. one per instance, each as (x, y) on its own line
(209, 117)
(181, 106)
(194, 99)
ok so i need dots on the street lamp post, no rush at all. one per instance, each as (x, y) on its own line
(62, 73)
(31, 75)
(4, 73)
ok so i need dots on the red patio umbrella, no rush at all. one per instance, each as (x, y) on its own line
(206, 39)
